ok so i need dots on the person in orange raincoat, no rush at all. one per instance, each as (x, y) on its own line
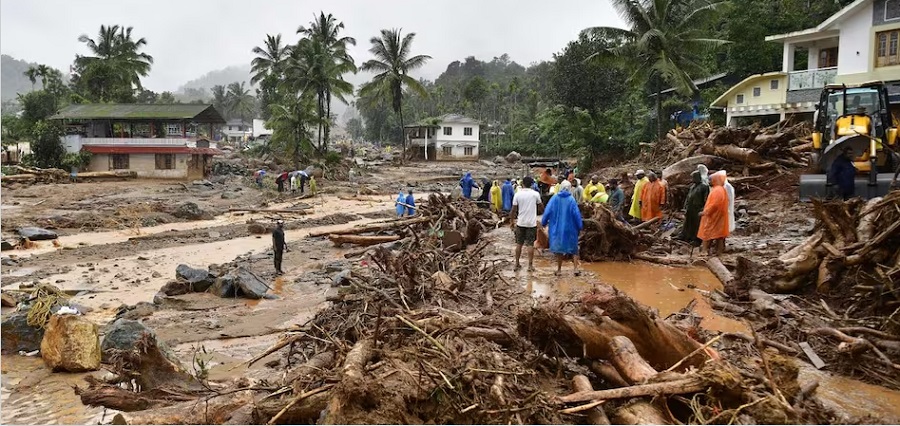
(653, 197)
(714, 217)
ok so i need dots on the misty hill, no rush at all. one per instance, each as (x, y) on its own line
(222, 77)
(12, 77)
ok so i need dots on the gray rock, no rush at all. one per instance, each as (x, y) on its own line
(203, 182)
(499, 159)
(37, 234)
(249, 284)
(336, 266)
(16, 335)
(341, 278)
(8, 261)
(190, 211)
(224, 286)
(7, 245)
(199, 279)
(175, 288)
(228, 195)
(125, 335)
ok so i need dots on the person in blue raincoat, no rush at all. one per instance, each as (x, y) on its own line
(400, 207)
(507, 193)
(410, 204)
(467, 183)
(564, 218)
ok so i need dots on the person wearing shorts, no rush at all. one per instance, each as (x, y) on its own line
(524, 220)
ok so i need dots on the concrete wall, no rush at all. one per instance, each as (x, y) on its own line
(855, 54)
(144, 165)
(458, 133)
(457, 150)
(885, 12)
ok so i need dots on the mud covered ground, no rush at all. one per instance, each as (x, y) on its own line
(119, 244)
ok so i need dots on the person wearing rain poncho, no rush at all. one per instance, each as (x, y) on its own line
(564, 219)
(714, 217)
(496, 197)
(507, 192)
(401, 200)
(467, 183)
(693, 205)
(410, 204)
(593, 185)
(635, 211)
(732, 225)
(485, 190)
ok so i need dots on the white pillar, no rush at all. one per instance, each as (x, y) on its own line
(812, 62)
(788, 58)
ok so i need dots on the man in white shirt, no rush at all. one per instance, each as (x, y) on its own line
(524, 220)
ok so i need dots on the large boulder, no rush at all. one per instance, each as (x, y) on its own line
(190, 211)
(176, 288)
(37, 234)
(7, 245)
(224, 286)
(249, 284)
(16, 335)
(152, 363)
(513, 157)
(71, 343)
(200, 279)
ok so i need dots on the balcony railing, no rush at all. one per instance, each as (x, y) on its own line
(189, 141)
(811, 79)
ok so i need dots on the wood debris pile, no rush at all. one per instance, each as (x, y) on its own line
(32, 175)
(606, 238)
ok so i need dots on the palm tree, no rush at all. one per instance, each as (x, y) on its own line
(392, 63)
(268, 61)
(239, 100)
(220, 99)
(32, 74)
(118, 54)
(329, 49)
(663, 44)
(290, 122)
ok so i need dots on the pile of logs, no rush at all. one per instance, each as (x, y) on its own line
(31, 175)
(606, 238)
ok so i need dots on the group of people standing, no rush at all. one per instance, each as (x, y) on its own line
(287, 181)
(708, 211)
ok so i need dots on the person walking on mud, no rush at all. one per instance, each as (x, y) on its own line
(523, 220)
(565, 222)
(278, 245)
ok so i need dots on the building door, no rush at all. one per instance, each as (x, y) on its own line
(195, 167)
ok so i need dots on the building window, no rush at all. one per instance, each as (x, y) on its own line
(120, 162)
(467, 131)
(165, 161)
(173, 129)
(740, 99)
(828, 57)
(469, 151)
(448, 131)
(757, 91)
(447, 150)
(229, 128)
(887, 52)
(773, 84)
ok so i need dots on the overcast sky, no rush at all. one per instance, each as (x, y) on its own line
(188, 38)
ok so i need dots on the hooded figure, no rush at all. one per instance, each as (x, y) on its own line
(730, 191)
(400, 207)
(635, 211)
(411, 204)
(564, 218)
(704, 173)
(693, 205)
(653, 196)
(842, 174)
(496, 197)
(714, 222)
(467, 183)
(507, 192)
(485, 190)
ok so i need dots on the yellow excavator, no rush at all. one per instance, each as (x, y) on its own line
(857, 117)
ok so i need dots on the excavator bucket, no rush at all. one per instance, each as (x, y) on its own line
(817, 186)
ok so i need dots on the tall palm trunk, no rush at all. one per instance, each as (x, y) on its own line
(327, 116)
(402, 135)
(659, 112)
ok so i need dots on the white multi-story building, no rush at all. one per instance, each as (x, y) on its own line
(859, 43)
(449, 137)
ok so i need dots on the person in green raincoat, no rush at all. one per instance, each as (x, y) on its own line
(693, 205)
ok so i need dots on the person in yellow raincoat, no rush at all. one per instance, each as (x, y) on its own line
(496, 197)
(599, 197)
(635, 211)
(594, 184)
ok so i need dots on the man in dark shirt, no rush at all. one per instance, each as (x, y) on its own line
(842, 173)
(278, 245)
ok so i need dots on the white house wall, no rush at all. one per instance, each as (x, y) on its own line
(458, 135)
(144, 165)
(856, 49)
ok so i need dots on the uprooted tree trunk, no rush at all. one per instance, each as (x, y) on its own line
(212, 411)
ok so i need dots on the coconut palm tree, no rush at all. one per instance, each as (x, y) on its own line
(663, 43)
(392, 62)
(329, 49)
(268, 60)
(291, 122)
(239, 100)
(220, 99)
(117, 64)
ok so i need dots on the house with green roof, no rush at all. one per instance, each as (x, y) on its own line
(164, 141)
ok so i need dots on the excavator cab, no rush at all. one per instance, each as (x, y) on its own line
(855, 117)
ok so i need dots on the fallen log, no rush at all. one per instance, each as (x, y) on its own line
(118, 174)
(628, 362)
(662, 260)
(806, 147)
(306, 411)
(361, 251)
(352, 373)
(679, 173)
(378, 227)
(205, 411)
(640, 413)
(276, 211)
(719, 270)
(731, 152)
(362, 240)
(646, 224)
(674, 387)
(608, 373)
(596, 415)
(99, 394)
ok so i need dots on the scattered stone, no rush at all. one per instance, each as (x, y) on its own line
(336, 266)
(7, 245)
(8, 261)
(37, 234)
(214, 234)
(199, 279)
(229, 195)
(513, 157)
(257, 228)
(142, 258)
(499, 159)
(191, 211)
(224, 286)
(140, 310)
(273, 363)
(8, 300)
(71, 343)
(203, 182)
(156, 274)
(341, 278)
(175, 288)
(16, 335)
